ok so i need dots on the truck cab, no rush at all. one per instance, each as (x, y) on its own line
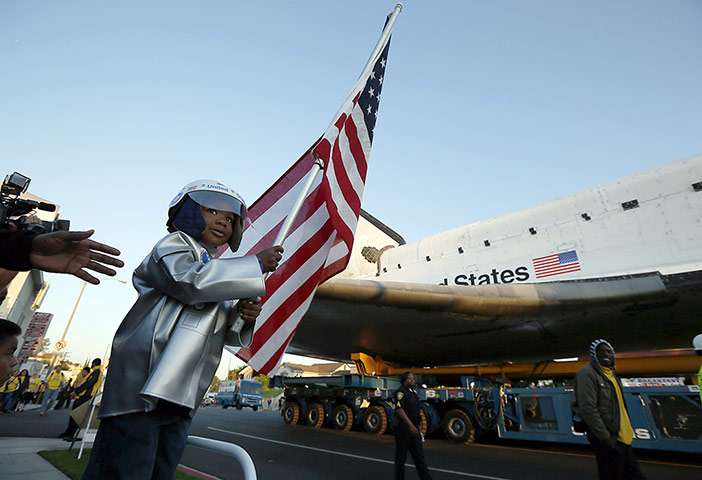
(240, 393)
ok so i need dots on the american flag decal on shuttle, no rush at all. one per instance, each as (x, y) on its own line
(556, 264)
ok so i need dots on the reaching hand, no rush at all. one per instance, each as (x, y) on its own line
(73, 252)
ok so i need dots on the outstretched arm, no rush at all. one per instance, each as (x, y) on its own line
(73, 253)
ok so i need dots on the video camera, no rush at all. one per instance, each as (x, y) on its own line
(11, 205)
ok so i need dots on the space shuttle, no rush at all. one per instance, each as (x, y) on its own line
(621, 261)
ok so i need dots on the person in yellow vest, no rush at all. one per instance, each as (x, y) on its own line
(31, 392)
(599, 404)
(697, 344)
(20, 394)
(52, 383)
(82, 375)
(83, 393)
(10, 389)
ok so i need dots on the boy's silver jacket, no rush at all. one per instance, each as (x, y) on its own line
(170, 343)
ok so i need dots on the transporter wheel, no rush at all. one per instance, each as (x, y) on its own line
(291, 413)
(375, 420)
(225, 406)
(315, 415)
(458, 427)
(238, 406)
(424, 425)
(342, 418)
(254, 408)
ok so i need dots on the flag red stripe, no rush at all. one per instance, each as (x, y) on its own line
(274, 359)
(277, 318)
(297, 259)
(313, 202)
(342, 179)
(334, 268)
(547, 256)
(293, 175)
(266, 240)
(556, 269)
(356, 149)
(558, 272)
(338, 222)
(274, 282)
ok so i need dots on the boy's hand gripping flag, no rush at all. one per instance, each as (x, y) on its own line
(321, 237)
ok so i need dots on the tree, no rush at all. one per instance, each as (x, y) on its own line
(44, 346)
(264, 381)
(214, 386)
(233, 374)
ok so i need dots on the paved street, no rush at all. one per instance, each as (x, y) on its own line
(297, 453)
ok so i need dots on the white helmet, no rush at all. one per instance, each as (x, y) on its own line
(185, 216)
(697, 342)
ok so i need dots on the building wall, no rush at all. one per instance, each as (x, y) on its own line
(24, 296)
(27, 290)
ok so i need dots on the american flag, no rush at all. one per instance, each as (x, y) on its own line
(320, 241)
(556, 264)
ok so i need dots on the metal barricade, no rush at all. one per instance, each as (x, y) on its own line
(235, 451)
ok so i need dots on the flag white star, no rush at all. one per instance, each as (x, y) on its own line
(381, 79)
(382, 63)
(371, 92)
(372, 74)
(376, 114)
(368, 109)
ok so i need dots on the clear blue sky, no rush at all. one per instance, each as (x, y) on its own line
(488, 107)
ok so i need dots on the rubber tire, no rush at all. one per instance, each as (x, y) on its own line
(342, 418)
(291, 413)
(424, 425)
(375, 420)
(238, 406)
(254, 408)
(225, 406)
(458, 427)
(315, 415)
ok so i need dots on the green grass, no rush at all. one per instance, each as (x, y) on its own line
(67, 461)
(272, 392)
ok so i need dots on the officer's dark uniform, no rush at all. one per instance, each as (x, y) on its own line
(408, 401)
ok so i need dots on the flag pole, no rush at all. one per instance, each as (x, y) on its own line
(317, 167)
(392, 16)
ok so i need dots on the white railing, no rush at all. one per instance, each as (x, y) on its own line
(235, 451)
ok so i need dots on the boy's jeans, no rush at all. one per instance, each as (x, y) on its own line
(140, 445)
(49, 398)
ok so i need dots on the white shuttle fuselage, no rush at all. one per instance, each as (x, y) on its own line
(622, 261)
(651, 221)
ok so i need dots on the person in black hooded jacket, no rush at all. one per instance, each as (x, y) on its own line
(599, 404)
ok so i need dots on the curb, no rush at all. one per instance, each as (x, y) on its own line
(196, 473)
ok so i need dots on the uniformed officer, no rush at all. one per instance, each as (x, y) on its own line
(407, 426)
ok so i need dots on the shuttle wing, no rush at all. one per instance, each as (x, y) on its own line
(431, 325)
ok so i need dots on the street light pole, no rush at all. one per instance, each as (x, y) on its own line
(70, 319)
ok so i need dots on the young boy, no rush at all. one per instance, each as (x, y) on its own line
(9, 332)
(169, 345)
